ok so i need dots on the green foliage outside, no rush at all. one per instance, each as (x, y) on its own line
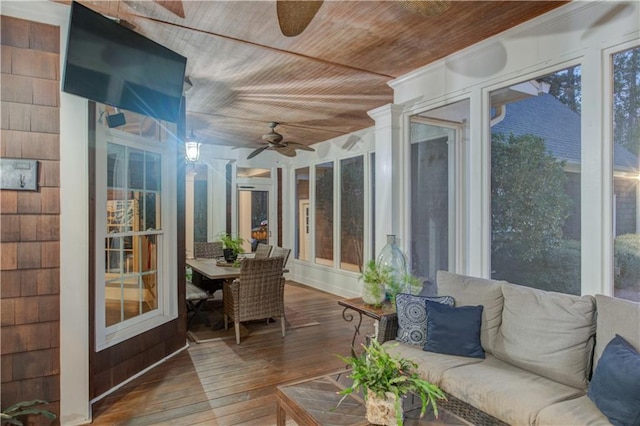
(627, 257)
(558, 270)
(529, 204)
(376, 370)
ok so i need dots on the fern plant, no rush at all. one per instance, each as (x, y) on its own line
(374, 279)
(379, 372)
(11, 415)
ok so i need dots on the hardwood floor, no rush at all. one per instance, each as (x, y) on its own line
(221, 383)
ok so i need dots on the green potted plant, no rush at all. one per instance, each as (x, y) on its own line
(373, 287)
(384, 380)
(11, 415)
(231, 247)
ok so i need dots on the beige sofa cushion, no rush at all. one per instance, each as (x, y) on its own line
(616, 316)
(547, 333)
(507, 393)
(431, 366)
(472, 291)
(578, 411)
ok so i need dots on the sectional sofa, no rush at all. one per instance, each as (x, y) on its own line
(532, 356)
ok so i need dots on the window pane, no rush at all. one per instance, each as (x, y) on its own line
(116, 166)
(535, 182)
(136, 169)
(324, 213)
(151, 211)
(351, 213)
(131, 297)
(626, 173)
(152, 172)
(430, 199)
(302, 214)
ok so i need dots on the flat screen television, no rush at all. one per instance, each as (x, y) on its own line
(111, 64)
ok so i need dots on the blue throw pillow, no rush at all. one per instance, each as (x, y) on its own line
(454, 330)
(615, 385)
(412, 317)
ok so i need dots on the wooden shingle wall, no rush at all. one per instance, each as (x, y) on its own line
(30, 221)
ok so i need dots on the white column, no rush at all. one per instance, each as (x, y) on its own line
(216, 198)
(188, 229)
(389, 167)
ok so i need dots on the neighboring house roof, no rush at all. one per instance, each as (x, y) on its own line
(559, 126)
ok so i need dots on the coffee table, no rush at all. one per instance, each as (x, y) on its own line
(313, 402)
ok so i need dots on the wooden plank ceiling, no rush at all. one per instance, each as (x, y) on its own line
(319, 84)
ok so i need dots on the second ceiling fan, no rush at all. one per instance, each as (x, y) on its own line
(273, 141)
(294, 16)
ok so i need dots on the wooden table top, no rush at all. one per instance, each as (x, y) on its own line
(313, 402)
(375, 312)
(210, 269)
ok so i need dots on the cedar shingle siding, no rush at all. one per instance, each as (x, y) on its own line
(30, 221)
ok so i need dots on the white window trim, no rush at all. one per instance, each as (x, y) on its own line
(456, 188)
(167, 273)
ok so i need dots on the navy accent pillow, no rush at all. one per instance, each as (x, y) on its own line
(615, 385)
(412, 317)
(454, 330)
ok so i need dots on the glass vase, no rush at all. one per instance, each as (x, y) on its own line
(392, 261)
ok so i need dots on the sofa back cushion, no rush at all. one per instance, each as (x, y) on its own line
(547, 333)
(616, 316)
(472, 291)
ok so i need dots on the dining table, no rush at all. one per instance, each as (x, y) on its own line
(214, 269)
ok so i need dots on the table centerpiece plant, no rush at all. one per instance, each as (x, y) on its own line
(384, 380)
(231, 246)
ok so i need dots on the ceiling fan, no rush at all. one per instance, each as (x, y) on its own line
(294, 16)
(273, 141)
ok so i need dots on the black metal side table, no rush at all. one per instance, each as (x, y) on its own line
(385, 316)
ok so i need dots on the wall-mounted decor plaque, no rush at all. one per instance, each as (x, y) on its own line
(18, 174)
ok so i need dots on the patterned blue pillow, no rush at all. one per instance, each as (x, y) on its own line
(412, 317)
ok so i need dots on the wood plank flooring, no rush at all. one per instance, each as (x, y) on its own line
(221, 383)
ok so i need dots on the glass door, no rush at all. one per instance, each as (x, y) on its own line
(253, 217)
(432, 196)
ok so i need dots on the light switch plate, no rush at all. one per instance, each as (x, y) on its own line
(18, 174)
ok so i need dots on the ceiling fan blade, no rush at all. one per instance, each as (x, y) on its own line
(294, 16)
(297, 145)
(426, 7)
(257, 151)
(289, 151)
(174, 7)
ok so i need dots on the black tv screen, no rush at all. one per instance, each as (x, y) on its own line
(114, 65)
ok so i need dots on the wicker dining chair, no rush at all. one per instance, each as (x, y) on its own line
(281, 252)
(262, 251)
(210, 250)
(257, 294)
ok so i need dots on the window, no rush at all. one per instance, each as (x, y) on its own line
(302, 240)
(351, 213)
(324, 213)
(535, 182)
(626, 173)
(134, 229)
